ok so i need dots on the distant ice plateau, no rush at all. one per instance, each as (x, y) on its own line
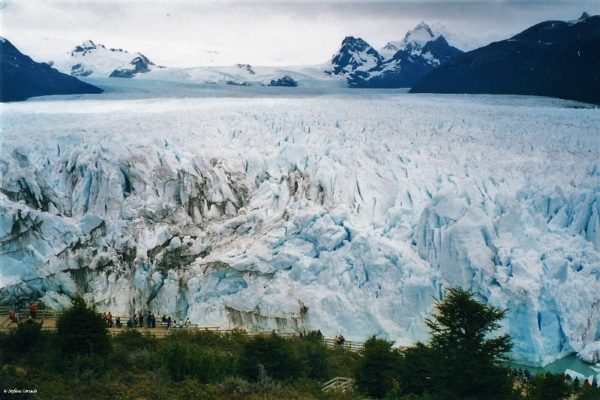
(346, 212)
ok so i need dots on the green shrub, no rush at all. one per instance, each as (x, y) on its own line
(22, 340)
(548, 386)
(86, 367)
(589, 394)
(341, 362)
(275, 355)
(81, 330)
(133, 339)
(315, 358)
(185, 360)
(376, 369)
(190, 389)
(415, 369)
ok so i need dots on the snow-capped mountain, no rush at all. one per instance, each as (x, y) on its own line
(21, 77)
(553, 58)
(354, 55)
(413, 41)
(398, 64)
(96, 60)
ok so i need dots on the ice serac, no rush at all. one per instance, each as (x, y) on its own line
(340, 213)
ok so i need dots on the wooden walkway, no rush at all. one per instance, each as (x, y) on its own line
(48, 320)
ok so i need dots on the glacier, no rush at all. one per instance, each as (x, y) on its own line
(347, 212)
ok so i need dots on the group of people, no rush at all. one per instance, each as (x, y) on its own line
(149, 321)
(339, 340)
(522, 374)
(577, 383)
(15, 316)
(109, 319)
(138, 320)
(172, 323)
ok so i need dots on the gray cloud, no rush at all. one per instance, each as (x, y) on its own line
(187, 33)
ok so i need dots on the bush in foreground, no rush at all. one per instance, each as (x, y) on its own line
(82, 331)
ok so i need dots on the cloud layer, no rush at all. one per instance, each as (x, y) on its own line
(186, 33)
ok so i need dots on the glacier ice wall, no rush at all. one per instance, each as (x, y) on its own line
(345, 213)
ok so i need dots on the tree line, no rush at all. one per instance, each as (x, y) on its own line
(463, 359)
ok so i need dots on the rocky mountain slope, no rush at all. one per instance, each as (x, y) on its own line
(398, 64)
(553, 58)
(22, 78)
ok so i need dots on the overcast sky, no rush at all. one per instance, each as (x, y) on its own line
(268, 32)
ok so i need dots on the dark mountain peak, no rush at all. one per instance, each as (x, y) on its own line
(552, 58)
(141, 60)
(440, 49)
(86, 47)
(584, 15)
(22, 78)
(353, 43)
(440, 40)
(405, 62)
(141, 64)
(553, 32)
(7, 46)
(354, 54)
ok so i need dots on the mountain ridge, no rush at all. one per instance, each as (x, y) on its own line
(22, 78)
(398, 64)
(96, 60)
(552, 58)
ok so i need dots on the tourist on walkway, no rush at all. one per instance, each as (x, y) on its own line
(33, 309)
(586, 385)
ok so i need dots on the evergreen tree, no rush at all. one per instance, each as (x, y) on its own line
(468, 362)
(375, 372)
(415, 369)
(462, 360)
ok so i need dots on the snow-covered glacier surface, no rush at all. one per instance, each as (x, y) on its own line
(346, 213)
